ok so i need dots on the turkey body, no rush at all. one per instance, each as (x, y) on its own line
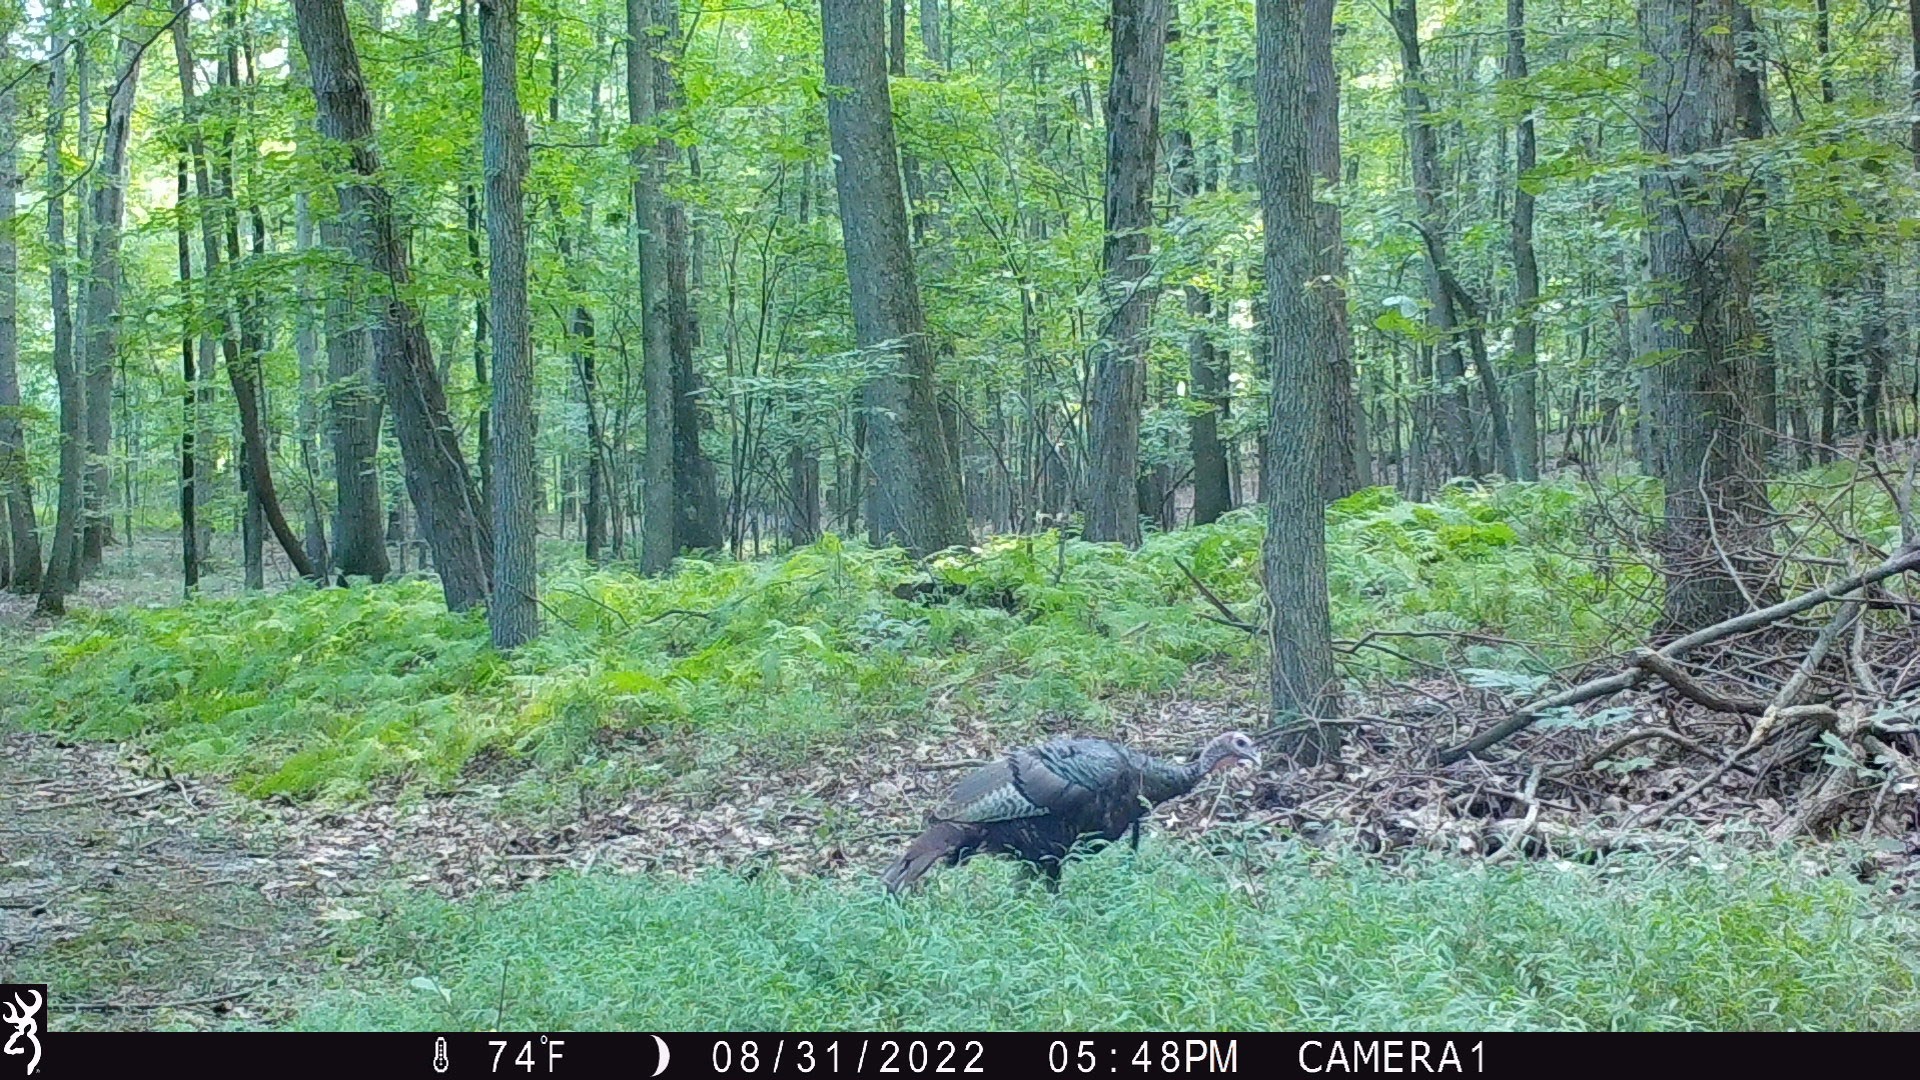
(1037, 803)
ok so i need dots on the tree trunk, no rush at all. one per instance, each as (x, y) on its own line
(514, 614)
(1526, 270)
(63, 560)
(1701, 322)
(1301, 330)
(1349, 463)
(917, 500)
(306, 347)
(353, 424)
(103, 295)
(803, 482)
(1750, 87)
(695, 493)
(658, 544)
(190, 481)
(1120, 355)
(1423, 148)
(242, 373)
(452, 518)
(1206, 382)
(16, 478)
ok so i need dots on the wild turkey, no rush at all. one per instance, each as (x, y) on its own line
(1038, 802)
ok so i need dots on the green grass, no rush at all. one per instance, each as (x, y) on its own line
(1170, 943)
(324, 692)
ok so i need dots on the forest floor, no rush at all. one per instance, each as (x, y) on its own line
(152, 898)
(147, 897)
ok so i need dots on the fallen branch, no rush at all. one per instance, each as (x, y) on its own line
(137, 1006)
(1639, 735)
(1512, 847)
(1648, 660)
(1227, 616)
(111, 796)
(1904, 560)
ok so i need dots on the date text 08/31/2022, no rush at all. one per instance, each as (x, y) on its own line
(1162, 1057)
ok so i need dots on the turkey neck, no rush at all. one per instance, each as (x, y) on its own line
(1163, 780)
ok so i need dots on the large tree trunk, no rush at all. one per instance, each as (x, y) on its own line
(16, 478)
(1423, 148)
(1120, 355)
(514, 614)
(658, 544)
(917, 500)
(1701, 323)
(451, 516)
(1349, 462)
(353, 424)
(103, 295)
(1526, 270)
(63, 561)
(695, 492)
(1301, 330)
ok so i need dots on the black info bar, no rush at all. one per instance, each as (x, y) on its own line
(362, 1056)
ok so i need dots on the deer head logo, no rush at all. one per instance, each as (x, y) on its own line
(21, 1016)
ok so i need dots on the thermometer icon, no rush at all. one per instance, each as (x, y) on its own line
(440, 1053)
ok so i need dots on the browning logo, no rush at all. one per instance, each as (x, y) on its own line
(23, 1008)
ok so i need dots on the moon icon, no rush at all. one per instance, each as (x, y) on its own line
(665, 1056)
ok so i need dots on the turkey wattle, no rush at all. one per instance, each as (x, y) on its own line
(1038, 802)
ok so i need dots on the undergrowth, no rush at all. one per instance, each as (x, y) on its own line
(1156, 942)
(327, 691)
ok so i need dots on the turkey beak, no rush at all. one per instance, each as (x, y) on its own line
(1255, 758)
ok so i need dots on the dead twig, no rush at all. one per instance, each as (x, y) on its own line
(191, 805)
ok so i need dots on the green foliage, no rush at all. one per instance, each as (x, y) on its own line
(304, 692)
(322, 692)
(1154, 943)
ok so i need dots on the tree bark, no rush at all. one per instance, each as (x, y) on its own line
(189, 397)
(1301, 330)
(1526, 270)
(1349, 464)
(16, 477)
(306, 347)
(451, 515)
(917, 500)
(514, 614)
(1701, 326)
(695, 492)
(353, 423)
(1750, 85)
(103, 294)
(1120, 355)
(658, 544)
(60, 578)
(1423, 148)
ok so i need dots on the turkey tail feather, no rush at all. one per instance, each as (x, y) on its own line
(941, 841)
